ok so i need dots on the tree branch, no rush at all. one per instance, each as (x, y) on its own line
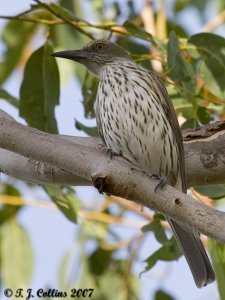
(86, 158)
(204, 157)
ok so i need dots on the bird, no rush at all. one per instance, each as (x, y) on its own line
(136, 119)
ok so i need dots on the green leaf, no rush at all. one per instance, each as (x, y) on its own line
(15, 37)
(16, 256)
(212, 191)
(91, 131)
(64, 269)
(161, 295)
(39, 92)
(121, 289)
(7, 212)
(99, 261)
(156, 227)
(62, 12)
(45, 10)
(170, 251)
(9, 98)
(138, 32)
(180, 70)
(89, 91)
(182, 4)
(191, 123)
(203, 115)
(65, 201)
(217, 251)
(9, 189)
(211, 48)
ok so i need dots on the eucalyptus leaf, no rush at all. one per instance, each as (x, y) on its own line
(142, 34)
(212, 191)
(89, 91)
(9, 98)
(156, 227)
(62, 12)
(168, 252)
(91, 131)
(118, 292)
(16, 255)
(137, 31)
(190, 124)
(15, 45)
(162, 295)
(7, 212)
(65, 201)
(99, 261)
(179, 69)
(217, 251)
(211, 48)
(39, 92)
(203, 115)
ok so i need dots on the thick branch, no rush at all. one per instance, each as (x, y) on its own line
(205, 154)
(204, 157)
(117, 176)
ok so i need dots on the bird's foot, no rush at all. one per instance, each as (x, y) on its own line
(111, 153)
(162, 180)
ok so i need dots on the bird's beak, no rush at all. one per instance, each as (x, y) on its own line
(76, 55)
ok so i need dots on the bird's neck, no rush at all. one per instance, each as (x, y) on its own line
(122, 66)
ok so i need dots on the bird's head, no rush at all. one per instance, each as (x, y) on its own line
(96, 55)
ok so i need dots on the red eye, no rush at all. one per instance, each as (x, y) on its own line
(99, 46)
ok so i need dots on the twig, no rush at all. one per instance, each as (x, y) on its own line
(215, 22)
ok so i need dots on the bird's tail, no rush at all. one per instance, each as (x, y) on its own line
(195, 254)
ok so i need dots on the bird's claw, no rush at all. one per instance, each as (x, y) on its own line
(111, 153)
(162, 181)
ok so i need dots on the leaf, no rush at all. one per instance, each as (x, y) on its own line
(9, 189)
(66, 201)
(63, 272)
(89, 91)
(15, 45)
(217, 251)
(39, 92)
(119, 292)
(156, 227)
(136, 31)
(62, 12)
(211, 48)
(182, 4)
(11, 99)
(16, 255)
(191, 123)
(8, 211)
(212, 191)
(203, 115)
(99, 261)
(170, 251)
(91, 131)
(48, 10)
(180, 70)
(161, 295)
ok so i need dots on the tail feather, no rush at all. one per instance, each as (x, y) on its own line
(195, 254)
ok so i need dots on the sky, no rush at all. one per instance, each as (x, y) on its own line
(52, 235)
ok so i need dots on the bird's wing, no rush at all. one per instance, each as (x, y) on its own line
(160, 89)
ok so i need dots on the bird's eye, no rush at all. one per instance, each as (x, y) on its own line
(99, 46)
